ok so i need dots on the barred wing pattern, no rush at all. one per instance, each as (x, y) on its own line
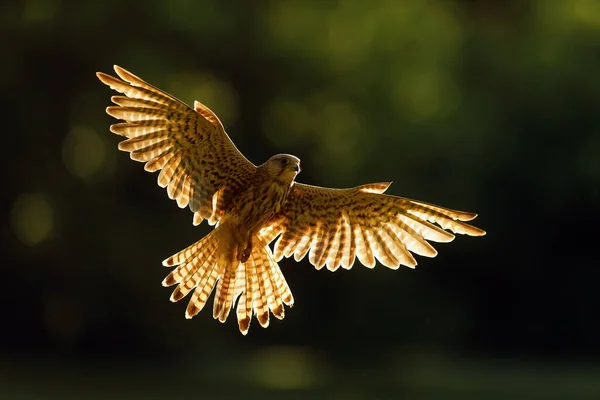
(199, 163)
(334, 226)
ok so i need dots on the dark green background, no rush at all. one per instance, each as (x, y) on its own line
(485, 106)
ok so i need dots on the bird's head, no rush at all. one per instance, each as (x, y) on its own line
(283, 167)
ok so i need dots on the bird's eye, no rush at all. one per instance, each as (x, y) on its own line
(284, 162)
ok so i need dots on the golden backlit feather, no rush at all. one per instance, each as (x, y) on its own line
(200, 167)
(334, 225)
(189, 146)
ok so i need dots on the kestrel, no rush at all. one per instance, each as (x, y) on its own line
(253, 205)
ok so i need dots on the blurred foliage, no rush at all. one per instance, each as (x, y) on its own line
(485, 106)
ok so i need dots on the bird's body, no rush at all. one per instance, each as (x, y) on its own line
(253, 205)
(245, 212)
(256, 204)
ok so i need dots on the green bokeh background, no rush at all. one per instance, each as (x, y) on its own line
(485, 106)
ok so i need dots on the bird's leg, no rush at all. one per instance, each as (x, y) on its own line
(246, 253)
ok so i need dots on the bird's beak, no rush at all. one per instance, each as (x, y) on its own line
(297, 168)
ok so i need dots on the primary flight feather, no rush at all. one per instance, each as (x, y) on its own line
(254, 205)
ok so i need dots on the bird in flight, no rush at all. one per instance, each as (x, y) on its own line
(252, 205)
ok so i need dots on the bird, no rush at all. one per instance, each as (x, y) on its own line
(251, 205)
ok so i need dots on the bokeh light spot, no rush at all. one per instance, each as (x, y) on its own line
(32, 218)
(214, 93)
(285, 368)
(340, 127)
(426, 94)
(84, 152)
(584, 12)
(286, 122)
(40, 10)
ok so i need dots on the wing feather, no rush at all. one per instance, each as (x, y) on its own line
(189, 146)
(336, 226)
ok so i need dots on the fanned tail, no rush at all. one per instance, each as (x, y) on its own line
(262, 288)
(258, 285)
(198, 268)
(224, 295)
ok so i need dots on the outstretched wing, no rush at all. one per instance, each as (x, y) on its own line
(337, 225)
(200, 166)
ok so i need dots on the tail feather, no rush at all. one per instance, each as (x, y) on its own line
(274, 300)
(201, 294)
(190, 252)
(264, 279)
(225, 292)
(194, 280)
(278, 279)
(273, 291)
(243, 314)
(258, 285)
(198, 263)
(194, 271)
(240, 282)
(244, 307)
(277, 289)
(197, 270)
(259, 297)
